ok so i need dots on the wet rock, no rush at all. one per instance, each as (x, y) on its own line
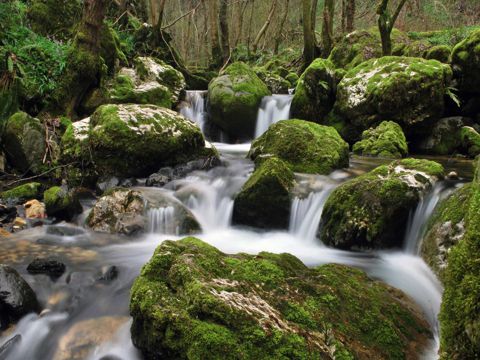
(60, 230)
(4, 233)
(264, 201)
(47, 266)
(61, 203)
(22, 193)
(160, 178)
(372, 210)
(83, 337)
(108, 183)
(34, 209)
(234, 98)
(24, 143)
(108, 273)
(305, 146)
(452, 175)
(466, 64)
(7, 214)
(192, 299)
(9, 345)
(17, 298)
(19, 224)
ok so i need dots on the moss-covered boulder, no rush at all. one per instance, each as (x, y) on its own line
(386, 140)
(460, 312)
(127, 87)
(234, 98)
(372, 210)
(305, 146)
(466, 64)
(449, 136)
(275, 83)
(315, 92)
(445, 229)
(135, 140)
(440, 53)
(55, 18)
(362, 45)
(61, 203)
(264, 200)
(152, 69)
(409, 91)
(125, 211)
(24, 143)
(22, 193)
(193, 302)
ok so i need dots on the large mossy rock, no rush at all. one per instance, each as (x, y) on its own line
(17, 298)
(362, 45)
(124, 211)
(234, 98)
(409, 91)
(372, 210)
(193, 302)
(22, 193)
(264, 200)
(466, 64)
(24, 143)
(386, 140)
(133, 140)
(460, 312)
(305, 146)
(61, 203)
(445, 229)
(448, 136)
(315, 92)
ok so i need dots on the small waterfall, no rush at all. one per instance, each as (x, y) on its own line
(195, 109)
(305, 214)
(272, 109)
(162, 221)
(417, 223)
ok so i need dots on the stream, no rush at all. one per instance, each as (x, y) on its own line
(79, 295)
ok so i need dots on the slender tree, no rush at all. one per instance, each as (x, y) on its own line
(310, 47)
(348, 15)
(265, 26)
(327, 27)
(216, 50)
(278, 37)
(386, 23)
(224, 31)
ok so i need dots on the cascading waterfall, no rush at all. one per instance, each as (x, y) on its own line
(272, 109)
(195, 108)
(162, 221)
(418, 221)
(306, 212)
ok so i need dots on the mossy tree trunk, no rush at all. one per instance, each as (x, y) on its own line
(216, 49)
(386, 22)
(348, 15)
(84, 63)
(327, 27)
(310, 47)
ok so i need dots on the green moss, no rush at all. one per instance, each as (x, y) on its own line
(386, 140)
(22, 193)
(264, 200)
(466, 62)
(470, 140)
(61, 203)
(372, 210)
(315, 92)
(460, 311)
(305, 146)
(440, 53)
(445, 228)
(192, 301)
(292, 78)
(234, 98)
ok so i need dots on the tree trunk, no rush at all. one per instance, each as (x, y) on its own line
(265, 26)
(327, 27)
(350, 16)
(240, 24)
(224, 37)
(386, 23)
(278, 38)
(310, 49)
(216, 50)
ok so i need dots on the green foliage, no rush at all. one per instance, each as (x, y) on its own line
(23, 192)
(386, 140)
(37, 61)
(444, 37)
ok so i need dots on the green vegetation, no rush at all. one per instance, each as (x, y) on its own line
(22, 193)
(386, 140)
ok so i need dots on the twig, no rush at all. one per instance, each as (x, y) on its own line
(181, 17)
(37, 176)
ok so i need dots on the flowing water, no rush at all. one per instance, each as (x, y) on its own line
(272, 109)
(79, 295)
(195, 109)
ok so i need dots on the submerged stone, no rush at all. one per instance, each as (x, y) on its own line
(234, 98)
(372, 210)
(305, 146)
(192, 301)
(264, 200)
(386, 140)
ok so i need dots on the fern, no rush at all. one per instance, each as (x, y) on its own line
(451, 94)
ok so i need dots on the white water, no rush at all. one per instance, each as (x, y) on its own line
(272, 109)
(195, 108)
(162, 221)
(209, 194)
